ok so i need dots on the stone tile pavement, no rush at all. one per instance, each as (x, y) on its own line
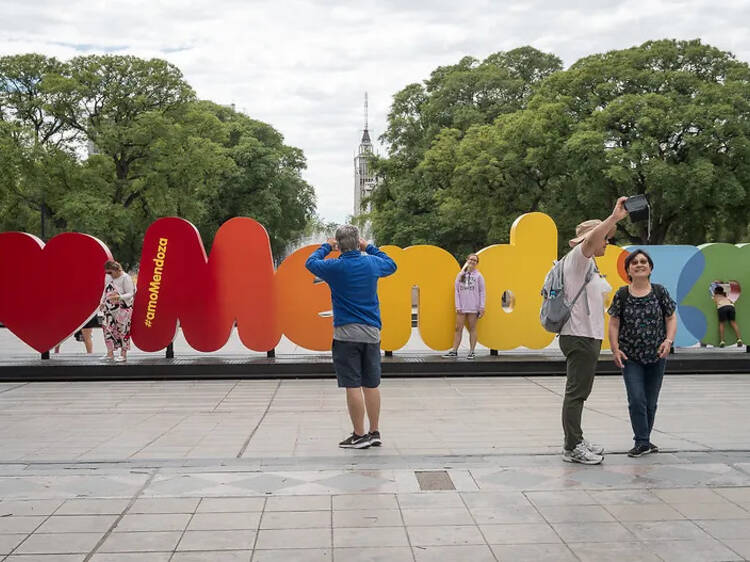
(249, 470)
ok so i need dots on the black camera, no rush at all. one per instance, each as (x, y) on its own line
(637, 207)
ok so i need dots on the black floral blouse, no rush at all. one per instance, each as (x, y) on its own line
(642, 322)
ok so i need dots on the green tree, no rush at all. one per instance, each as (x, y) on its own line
(670, 119)
(435, 116)
(494, 173)
(265, 183)
(153, 150)
(37, 145)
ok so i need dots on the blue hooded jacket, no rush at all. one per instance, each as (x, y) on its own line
(353, 280)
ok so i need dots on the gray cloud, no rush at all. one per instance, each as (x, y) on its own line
(303, 65)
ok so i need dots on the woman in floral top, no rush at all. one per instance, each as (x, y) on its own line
(117, 308)
(641, 332)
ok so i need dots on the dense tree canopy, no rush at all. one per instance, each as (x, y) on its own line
(107, 144)
(437, 114)
(670, 119)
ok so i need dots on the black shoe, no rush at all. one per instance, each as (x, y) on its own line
(355, 441)
(375, 440)
(640, 450)
(451, 354)
(654, 448)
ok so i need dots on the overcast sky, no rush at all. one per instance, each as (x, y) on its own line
(304, 66)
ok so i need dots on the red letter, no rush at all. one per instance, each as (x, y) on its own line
(177, 281)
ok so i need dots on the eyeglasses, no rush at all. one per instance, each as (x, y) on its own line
(639, 262)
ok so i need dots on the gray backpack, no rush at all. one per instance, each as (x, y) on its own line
(555, 311)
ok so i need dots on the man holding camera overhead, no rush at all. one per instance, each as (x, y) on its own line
(353, 280)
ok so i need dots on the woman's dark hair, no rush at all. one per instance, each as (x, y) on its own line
(719, 291)
(463, 271)
(631, 257)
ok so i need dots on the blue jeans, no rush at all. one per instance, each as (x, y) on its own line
(643, 383)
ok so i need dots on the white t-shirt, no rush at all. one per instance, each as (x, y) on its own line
(584, 322)
(124, 285)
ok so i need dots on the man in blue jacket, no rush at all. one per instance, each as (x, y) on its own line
(353, 280)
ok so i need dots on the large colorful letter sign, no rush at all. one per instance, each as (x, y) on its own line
(47, 292)
(177, 281)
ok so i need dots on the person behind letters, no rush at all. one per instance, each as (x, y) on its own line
(725, 310)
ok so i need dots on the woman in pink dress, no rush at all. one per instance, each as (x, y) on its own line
(470, 297)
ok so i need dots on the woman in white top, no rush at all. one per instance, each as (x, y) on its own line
(581, 337)
(117, 308)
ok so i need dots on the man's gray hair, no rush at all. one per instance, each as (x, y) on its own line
(347, 237)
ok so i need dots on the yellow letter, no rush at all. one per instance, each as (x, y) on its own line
(433, 270)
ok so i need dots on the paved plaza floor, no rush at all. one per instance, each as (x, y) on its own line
(469, 470)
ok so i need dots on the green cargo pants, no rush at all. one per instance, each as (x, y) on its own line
(581, 355)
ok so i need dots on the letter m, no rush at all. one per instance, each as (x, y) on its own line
(207, 296)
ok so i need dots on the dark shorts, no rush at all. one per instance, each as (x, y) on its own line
(356, 364)
(726, 313)
(93, 322)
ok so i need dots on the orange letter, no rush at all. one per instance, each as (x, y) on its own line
(304, 304)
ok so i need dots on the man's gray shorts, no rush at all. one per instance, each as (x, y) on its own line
(356, 364)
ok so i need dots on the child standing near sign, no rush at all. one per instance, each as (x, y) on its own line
(725, 309)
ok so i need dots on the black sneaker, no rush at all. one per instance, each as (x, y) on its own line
(355, 441)
(375, 439)
(654, 448)
(450, 354)
(640, 450)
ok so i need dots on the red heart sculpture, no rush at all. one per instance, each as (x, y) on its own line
(49, 292)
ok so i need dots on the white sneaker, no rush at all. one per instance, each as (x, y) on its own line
(120, 359)
(106, 358)
(593, 447)
(582, 455)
